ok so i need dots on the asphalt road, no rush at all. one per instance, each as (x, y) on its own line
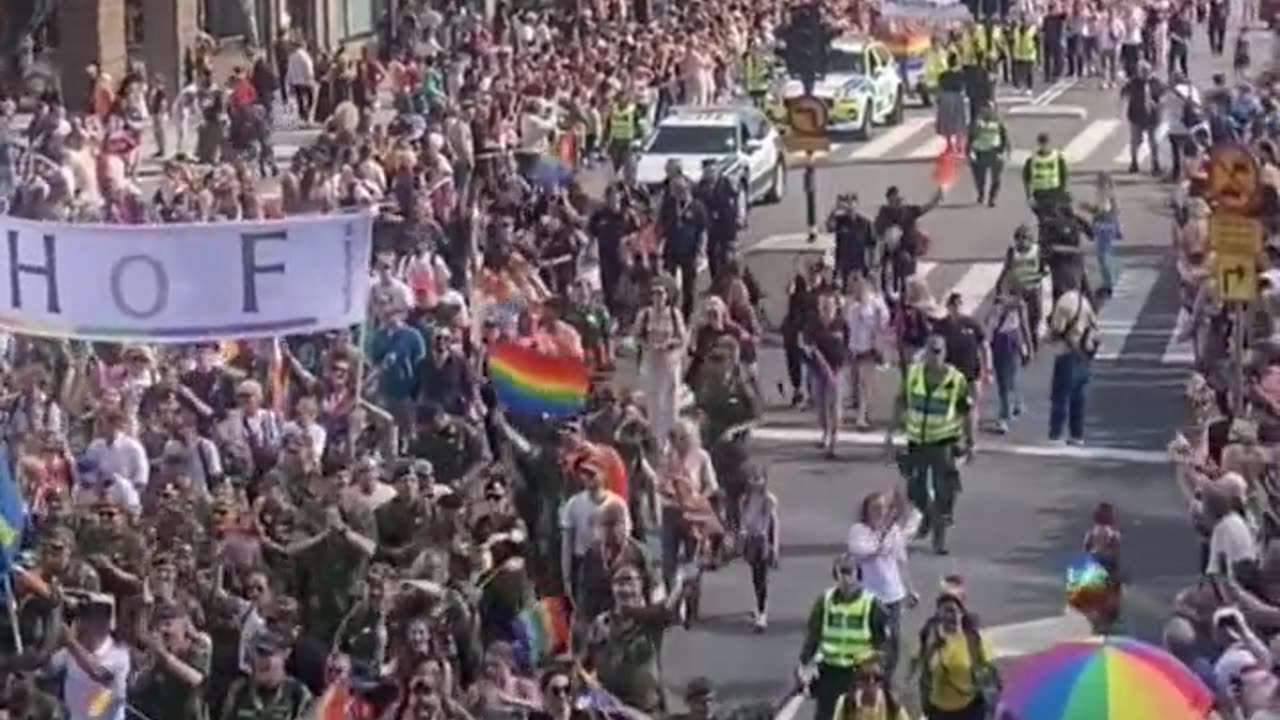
(1026, 504)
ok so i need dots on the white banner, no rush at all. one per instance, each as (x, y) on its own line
(925, 10)
(184, 283)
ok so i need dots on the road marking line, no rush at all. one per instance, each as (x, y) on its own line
(1178, 352)
(1119, 315)
(809, 436)
(1122, 158)
(1054, 91)
(1033, 636)
(924, 267)
(976, 284)
(1082, 145)
(882, 144)
(932, 148)
(1018, 158)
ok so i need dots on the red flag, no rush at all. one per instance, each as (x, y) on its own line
(333, 703)
(944, 169)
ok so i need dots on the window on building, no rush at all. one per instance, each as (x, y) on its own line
(363, 16)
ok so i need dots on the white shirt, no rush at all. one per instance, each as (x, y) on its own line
(1230, 537)
(578, 517)
(84, 698)
(300, 69)
(313, 432)
(879, 559)
(123, 456)
(535, 132)
(866, 319)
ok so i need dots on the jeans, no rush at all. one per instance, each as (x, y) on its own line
(1066, 397)
(1102, 245)
(1139, 133)
(1006, 362)
(893, 643)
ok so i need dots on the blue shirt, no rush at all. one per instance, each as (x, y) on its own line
(399, 352)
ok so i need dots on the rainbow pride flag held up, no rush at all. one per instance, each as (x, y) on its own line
(541, 631)
(1088, 583)
(529, 382)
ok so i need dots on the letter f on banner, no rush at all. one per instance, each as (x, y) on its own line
(249, 262)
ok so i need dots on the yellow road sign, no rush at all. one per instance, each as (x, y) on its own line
(1236, 242)
(807, 118)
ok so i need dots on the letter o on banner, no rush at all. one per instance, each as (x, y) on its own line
(159, 280)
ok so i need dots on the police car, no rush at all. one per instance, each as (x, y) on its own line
(862, 86)
(741, 140)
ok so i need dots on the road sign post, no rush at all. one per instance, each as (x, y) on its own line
(807, 37)
(1235, 242)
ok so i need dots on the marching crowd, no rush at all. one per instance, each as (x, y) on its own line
(350, 525)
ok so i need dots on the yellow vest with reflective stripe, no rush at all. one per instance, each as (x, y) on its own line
(932, 415)
(1025, 266)
(978, 40)
(1046, 173)
(756, 72)
(1024, 44)
(846, 630)
(622, 123)
(965, 50)
(986, 136)
(935, 62)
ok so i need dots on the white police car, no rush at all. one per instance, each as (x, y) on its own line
(741, 140)
(862, 86)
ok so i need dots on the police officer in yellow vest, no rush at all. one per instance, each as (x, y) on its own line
(623, 130)
(846, 626)
(935, 414)
(988, 147)
(1024, 268)
(755, 73)
(935, 63)
(1024, 48)
(1045, 176)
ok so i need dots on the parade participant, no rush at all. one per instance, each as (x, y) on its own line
(988, 148)
(1024, 271)
(825, 343)
(846, 625)
(661, 336)
(1044, 176)
(1061, 235)
(718, 195)
(900, 219)
(1142, 94)
(1012, 338)
(1073, 326)
(730, 406)
(958, 679)
(869, 696)
(952, 114)
(760, 533)
(878, 543)
(855, 242)
(933, 411)
(868, 320)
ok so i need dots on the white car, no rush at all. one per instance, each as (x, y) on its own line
(747, 147)
(862, 86)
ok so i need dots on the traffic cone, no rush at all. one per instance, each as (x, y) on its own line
(944, 169)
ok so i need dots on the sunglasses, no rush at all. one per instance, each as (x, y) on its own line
(867, 678)
(844, 571)
(421, 689)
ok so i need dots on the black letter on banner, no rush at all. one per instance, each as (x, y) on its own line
(162, 286)
(49, 271)
(249, 261)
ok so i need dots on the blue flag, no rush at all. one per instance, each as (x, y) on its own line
(13, 515)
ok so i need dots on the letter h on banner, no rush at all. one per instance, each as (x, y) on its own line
(49, 271)
(249, 262)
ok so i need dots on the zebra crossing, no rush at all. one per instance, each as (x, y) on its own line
(1136, 325)
(1098, 145)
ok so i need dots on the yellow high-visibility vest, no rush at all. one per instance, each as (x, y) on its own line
(935, 63)
(756, 72)
(986, 136)
(1046, 171)
(932, 414)
(622, 123)
(1024, 44)
(846, 630)
(1025, 266)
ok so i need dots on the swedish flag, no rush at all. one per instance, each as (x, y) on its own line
(13, 515)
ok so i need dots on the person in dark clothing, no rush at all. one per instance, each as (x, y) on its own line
(684, 226)
(855, 240)
(720, 198)
(1053, 30)
(1142, 94)
(899, 259)
(1180, 36)
(1219, 10)
(608, 225)
(967, 348)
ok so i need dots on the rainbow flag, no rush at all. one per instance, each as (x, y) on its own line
(541, 631)
(1088, 583)
(529, 382)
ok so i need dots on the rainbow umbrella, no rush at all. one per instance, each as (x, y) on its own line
(1103, 678)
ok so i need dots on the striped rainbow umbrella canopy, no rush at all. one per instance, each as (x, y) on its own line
(1103, 678)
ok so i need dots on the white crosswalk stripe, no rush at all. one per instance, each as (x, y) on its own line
(1098, 144)
(1134, 325)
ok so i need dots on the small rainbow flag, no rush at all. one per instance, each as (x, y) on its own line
(529, 382)
(542, 631)
(1088, 583)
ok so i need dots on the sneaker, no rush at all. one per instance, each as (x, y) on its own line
(1078, 442)
(761, 622)
(1057, 441)
(1002, 428)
